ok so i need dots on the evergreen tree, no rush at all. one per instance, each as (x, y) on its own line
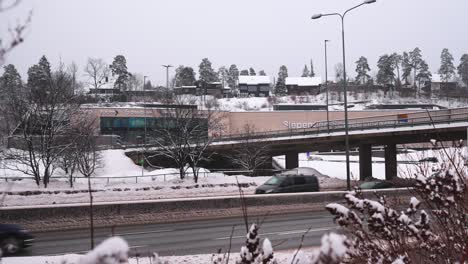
(10, 82)
(206, 72)
(233, 76)
(312, 73)
(252, 72)
(148, 85)
(280, 88)
(39, 75)
(463, 69)
(185, 76)
(423, 75)
(262, 73)
(447, 69)
(305, 72)
(397, 60)
(406, 67)
(244, 73)
(386, 74)
(119, 69)
(415, 60)
(362, 68)
(223, 75)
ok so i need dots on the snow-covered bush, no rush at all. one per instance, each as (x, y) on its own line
(435, 233)
(114, 250)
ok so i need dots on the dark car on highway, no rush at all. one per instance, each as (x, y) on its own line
(289, 184)
(14, 238)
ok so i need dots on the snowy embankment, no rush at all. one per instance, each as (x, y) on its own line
(265, 104)
(112, 183)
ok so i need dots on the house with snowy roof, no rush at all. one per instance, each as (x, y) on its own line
(438, 83)
(303, 85)
(257, 86)
(104, 88)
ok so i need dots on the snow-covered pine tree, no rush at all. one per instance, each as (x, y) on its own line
(250, 251)
(447, 69)
(305, 71)
(463, 69)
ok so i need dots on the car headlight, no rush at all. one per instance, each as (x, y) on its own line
(269, 191)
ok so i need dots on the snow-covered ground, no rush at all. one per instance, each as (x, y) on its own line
(281, 257)
(112, 183)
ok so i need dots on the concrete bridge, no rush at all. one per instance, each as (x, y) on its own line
(386, 130)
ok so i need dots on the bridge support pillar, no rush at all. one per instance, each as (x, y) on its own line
(365, 161)
(292, 160)
(390, 162)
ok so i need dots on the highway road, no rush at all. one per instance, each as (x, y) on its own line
(192, 237)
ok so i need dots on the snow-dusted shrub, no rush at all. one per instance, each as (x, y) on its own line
(114, 250)
(333, 249)
(251, 254)
(435, 233)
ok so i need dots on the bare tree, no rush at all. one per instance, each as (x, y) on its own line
(16, 33)
(251, 154)
(87, 158)
(97, 71)
(42, 114)
(182, 135)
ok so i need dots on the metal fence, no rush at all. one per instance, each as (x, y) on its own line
(137, 178)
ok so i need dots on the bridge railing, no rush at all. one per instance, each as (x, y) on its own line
(365, 123)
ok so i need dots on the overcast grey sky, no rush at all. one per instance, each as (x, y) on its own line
(263, 34)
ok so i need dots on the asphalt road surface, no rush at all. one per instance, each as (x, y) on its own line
(192, 237)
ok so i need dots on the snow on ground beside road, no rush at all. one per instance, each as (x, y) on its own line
(281, 257)
(59, 192)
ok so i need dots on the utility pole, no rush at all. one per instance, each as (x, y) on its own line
(342, 16)
(167, 74)
(326, 85)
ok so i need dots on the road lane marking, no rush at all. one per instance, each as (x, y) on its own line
(283, 233)
(141, 233)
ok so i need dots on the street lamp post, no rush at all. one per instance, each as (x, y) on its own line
(144, 107)
(167, 74)
(342, 16)
(326, 85)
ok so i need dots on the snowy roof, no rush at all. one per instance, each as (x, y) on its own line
(304, 81)
(244, 79)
